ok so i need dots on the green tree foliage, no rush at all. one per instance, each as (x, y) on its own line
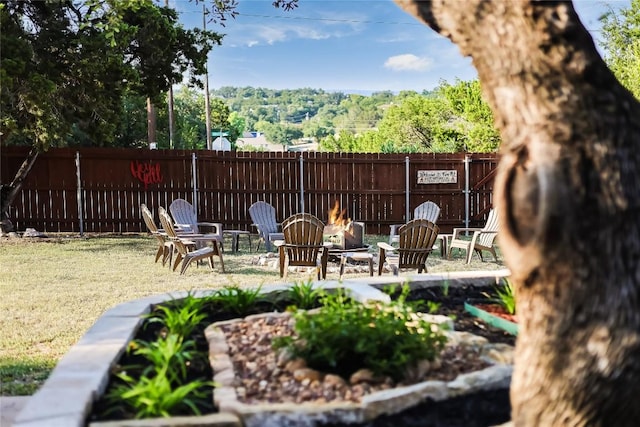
(279, 133)
(621, 40)
(417, 123)
(474, 119)
(316, 129)
(453, 118)
(189, 119)
(219, 115)
(359, 112)
(132, 124)
(68, 66)
(237, 126)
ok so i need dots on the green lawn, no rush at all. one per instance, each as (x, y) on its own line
(54, 289)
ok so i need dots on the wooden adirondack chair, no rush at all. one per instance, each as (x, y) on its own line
(416, 239)
(165, 246)
(263, 216)
(303, 244)
(184, 215)
(481, 240)
(185, 246)
(427, 210)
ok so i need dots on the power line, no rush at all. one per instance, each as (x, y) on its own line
(347, 21)
(304, 18)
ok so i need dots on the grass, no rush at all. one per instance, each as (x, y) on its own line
(54, 289)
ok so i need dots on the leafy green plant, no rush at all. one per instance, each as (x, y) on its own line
(172, 352)
(161, 390)
(179, 316)
(346, 335)
(401, 292)
(304, 295)
(507, 296)
(433, 306)
(237, 300)
(156, 396)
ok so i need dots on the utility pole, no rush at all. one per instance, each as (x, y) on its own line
(207, 106)
(151, 124)
(170, 102)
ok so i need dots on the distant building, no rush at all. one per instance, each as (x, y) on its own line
(257, 140)
(221, 144)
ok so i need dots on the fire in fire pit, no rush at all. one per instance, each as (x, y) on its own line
(341, 231)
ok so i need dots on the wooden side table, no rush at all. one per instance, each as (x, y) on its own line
(356, 256)
(235, 238)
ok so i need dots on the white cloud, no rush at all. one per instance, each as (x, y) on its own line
(272, 35)
(408, 62)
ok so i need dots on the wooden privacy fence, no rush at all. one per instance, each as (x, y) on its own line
(101, 189)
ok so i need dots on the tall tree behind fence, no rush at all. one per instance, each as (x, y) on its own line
(101, 189)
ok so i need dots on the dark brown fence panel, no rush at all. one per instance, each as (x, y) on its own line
(233, 181)
(48, 199)
(371, 188)
(116, 181)
(483, 171)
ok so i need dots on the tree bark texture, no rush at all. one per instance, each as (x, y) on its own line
(9, 193)
(151, 122)
(568, 196)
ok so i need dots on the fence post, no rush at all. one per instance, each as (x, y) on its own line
(301, 183)
(467, 190)
(194, 179)
(406, 190)
(79, 193)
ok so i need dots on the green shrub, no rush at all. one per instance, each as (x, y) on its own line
(344, 336)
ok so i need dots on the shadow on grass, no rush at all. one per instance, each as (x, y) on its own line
(143, 244)
(19, 378)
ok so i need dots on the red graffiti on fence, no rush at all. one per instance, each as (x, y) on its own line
(146, 173)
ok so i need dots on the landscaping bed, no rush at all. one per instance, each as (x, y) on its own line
(477, 409)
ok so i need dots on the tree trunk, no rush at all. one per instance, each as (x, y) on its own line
(8, 193)
(151, 124)
(568, 195)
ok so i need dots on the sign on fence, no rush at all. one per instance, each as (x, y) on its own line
(438, 177)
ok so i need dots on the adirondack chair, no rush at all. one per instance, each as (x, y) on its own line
(165, 246)
(185, 247)
(481, 240)
(263, 216)
(427, 210)
(303, 244)
(416, 239)
(185, 217)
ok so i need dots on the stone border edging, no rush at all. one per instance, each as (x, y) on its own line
(384, 402)
(66, 397)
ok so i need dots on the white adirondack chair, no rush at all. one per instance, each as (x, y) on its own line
(481, 240)
(263, 216)
(427, 210)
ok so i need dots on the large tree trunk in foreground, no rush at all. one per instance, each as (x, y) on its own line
(568, 193)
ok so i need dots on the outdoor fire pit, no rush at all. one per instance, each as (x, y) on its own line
(342, 232)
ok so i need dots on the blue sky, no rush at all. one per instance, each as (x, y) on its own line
(353, 45)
